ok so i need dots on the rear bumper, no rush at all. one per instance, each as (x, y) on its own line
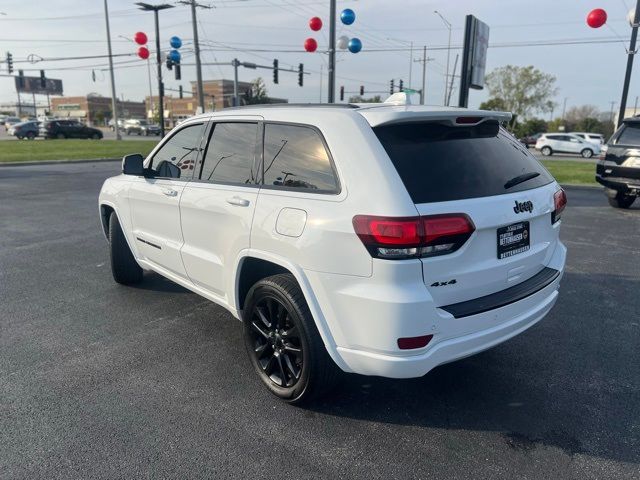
(366, 316)
(618, 183)
(446, 351)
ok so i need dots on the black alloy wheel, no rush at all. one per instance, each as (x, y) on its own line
(275, 342)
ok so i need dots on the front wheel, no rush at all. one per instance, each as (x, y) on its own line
(586, 153)
(124, 267)
(96, 136)
(61, 136)
(546, 151)
(30, 135)
(283, 343)
(620, 200)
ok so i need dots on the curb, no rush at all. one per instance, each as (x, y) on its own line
(56, 162)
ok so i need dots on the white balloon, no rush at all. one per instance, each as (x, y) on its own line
(631, 16)
(343, 42)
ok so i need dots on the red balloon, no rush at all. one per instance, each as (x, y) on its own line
(597, 18)
(315, 24)
(143, 53)
(310, 45)
(140, 38)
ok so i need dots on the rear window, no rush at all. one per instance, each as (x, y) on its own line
(630, 134)
(439, 162)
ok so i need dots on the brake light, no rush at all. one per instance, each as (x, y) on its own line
(413, 237)
(468, 120)
(559, 202)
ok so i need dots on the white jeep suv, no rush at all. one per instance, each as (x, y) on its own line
(379, 239)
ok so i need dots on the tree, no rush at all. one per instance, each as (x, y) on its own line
(256, 94)
(523, 90)
(579, 113)
(495, 104)
(359, 99)
(530, 127)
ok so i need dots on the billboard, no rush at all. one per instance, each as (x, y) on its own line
(33, 85)
(474, 57)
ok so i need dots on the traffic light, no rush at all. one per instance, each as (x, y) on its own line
(178, 73)
(169, 63)
(20, 79)
(361, 90)
(300, 74)
(43, 80)
(9, 62)
(401, 86)
(391, 87)
(180, 90)
(275, 70)
(341, 94)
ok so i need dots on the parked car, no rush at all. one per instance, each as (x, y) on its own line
(530, 140)
(618, 168)
(68, 129)
(345, 237)
(28, 130)
(3, 118)
(550, 143)
(120, 124)
(141, 127)
(11, 121)
(596, 138)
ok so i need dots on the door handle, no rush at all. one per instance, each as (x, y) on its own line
(169, 192)
(237, 201)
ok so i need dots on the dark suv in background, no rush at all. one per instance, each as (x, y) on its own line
(68, 129)
(618, 168)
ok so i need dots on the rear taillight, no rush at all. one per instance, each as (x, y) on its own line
(559, 202)
(410, 343)
(413, 237)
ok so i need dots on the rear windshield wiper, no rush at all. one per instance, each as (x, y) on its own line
(520, 179)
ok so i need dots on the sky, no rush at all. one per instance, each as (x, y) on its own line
(260, 30)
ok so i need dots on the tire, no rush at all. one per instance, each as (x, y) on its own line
(96, 136)
(31, 135)
(620, 200)
(61, 136)
(124, 268)
(283, 342)
(546, 151)
(586, 153)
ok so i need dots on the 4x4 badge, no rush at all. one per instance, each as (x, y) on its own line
(523, 207)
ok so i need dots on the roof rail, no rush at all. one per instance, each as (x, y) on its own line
(311, 105)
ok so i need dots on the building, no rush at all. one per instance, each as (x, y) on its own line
(94, 109)
(218, 95)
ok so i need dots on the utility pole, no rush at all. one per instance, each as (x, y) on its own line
(332, 52)
(453, 75)
(630, 53)
(446, 77)
(321, 68)
(423, 92)
(411, 64)
(114, 100)
(612, 102)
(155, 9)
(196, 42)
(635, 106)
(564, 107)
(236, 99)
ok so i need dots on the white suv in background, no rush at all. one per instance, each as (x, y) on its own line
(550, 143)
(378, 239)
(596, 138)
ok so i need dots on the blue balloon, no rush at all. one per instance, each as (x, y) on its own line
(348, 16)
(175, 42)
(355, 45)
(174, 56)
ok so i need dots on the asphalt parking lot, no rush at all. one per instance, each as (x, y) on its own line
(103, 381)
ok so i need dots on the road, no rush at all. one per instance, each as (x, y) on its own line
(99, 380)
(108, 135)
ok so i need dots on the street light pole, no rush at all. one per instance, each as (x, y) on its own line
(446, 22)
(155, 9)
(630, 53)
(332, 52)
(113, 82)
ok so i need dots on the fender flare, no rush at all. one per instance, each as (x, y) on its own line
(307, 291)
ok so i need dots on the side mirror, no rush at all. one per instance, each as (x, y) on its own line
(132, 164)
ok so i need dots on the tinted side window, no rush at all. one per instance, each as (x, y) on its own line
(630, 135)
(295, 157)
(231, 153)
(177, 157)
